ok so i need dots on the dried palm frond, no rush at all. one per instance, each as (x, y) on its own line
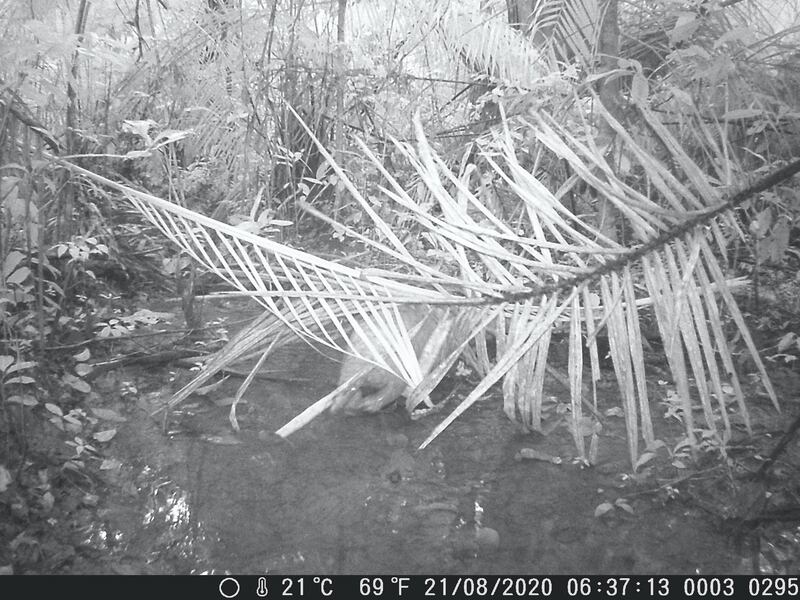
(553, 270)
(350, 310)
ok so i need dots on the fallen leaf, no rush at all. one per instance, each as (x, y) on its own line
(222, 440)
(603, 509)
(108, 415)
(533, 454)
(624, 506)
(5, 478)
(110, 464)
(83, 369)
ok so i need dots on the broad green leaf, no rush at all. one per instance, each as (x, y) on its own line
(54, 409)
(105, 436)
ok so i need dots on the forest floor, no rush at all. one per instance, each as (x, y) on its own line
(107, 487)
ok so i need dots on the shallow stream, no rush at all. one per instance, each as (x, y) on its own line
(354, 495)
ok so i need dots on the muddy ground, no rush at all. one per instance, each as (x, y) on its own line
(352, 494)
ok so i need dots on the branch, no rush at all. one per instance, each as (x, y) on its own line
(625, 260)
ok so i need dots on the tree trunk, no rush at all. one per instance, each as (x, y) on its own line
(609, 93)
(340, 83)
(72, 126)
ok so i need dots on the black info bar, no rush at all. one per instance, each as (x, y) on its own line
(397, 587)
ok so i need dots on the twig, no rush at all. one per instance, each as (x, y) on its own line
(139, 358)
